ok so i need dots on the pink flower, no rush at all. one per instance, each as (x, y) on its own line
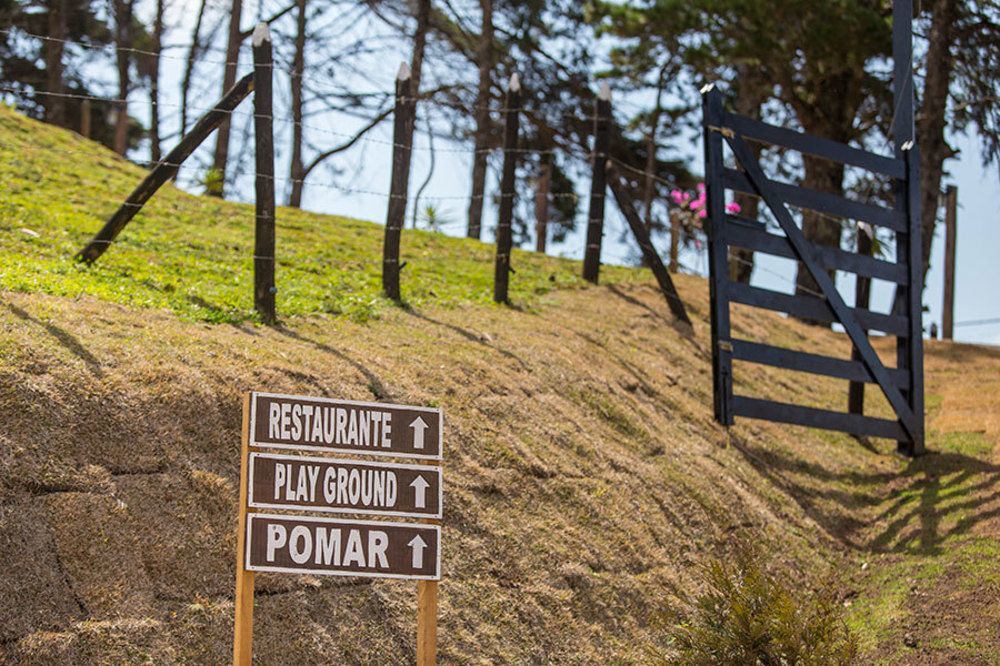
(701, 187)
(702, 213)
(699, 202)
(677, 196)
(733, 207)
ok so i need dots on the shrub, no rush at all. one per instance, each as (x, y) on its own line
(745, 616)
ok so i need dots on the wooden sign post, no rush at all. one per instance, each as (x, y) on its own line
(333, 546)
(243, 621)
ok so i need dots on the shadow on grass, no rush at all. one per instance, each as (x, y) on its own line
(935, 498)
(375, 384)
(467, 334)
(947, 494)
(64, 338)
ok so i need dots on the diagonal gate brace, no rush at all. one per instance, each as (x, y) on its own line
(804, 252)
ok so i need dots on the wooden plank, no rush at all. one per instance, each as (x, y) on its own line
(845, 316)
(823, 202)
(243, 606)
(856, 424)
(427, 602)
(649, 253)
(598, 185)
(165, 170)
(813, 307)
(718, 258)
(264, 241)
(790, 359)
(759, 240)
(814, 145)
(505, 216)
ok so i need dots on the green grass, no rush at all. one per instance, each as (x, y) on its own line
(193, 254)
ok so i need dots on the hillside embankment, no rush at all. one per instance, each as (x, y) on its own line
(585, 479)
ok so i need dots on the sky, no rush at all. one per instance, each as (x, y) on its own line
(365, 173)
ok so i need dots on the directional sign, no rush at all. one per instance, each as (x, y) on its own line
(324, 546)
(321, 424)
(344, 486)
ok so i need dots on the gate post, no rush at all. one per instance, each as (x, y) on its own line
(911, 349)
(718, 250)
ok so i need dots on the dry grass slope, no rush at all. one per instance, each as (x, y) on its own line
(585, 481)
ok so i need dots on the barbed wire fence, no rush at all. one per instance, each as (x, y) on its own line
(195, 173)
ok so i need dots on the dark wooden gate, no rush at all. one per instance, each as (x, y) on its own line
(902, 385)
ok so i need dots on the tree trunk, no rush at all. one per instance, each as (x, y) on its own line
(842, 93)
(298, 170)
(752, 88)
(154, 85)
(419, 46)
(416, 67)
(484, 58)
(650, 184)
(55, 105)
(217, 184)
(934, 150)
(542, 203)
(192, 57)
(654, 127)
(824, 176)
(123, 39)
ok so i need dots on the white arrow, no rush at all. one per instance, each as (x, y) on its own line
(419, 426)
(418, 545)
(420, 486)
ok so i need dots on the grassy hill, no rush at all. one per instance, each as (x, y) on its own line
(194, 254)
(585, 479)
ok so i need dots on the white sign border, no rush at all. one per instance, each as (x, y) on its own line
(338, 510)
(355, 574)
(354, 403)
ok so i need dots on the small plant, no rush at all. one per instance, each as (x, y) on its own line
(747, 617)
(213, 181)
(690, 208)
(434, 217)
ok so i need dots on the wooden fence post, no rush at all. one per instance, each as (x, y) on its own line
(165, 170)
(595, 216)
(649, 254)
(396, 212)
(512, 111)
(264, 242)
(950, 239)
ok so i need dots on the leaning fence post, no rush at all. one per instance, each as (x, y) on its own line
(396, 210)
(595, 217)
(165, 170)
(512, 111)
(263, 250)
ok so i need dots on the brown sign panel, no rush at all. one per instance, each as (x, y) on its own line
(343, 486)
(322, 424)
(325, 546)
